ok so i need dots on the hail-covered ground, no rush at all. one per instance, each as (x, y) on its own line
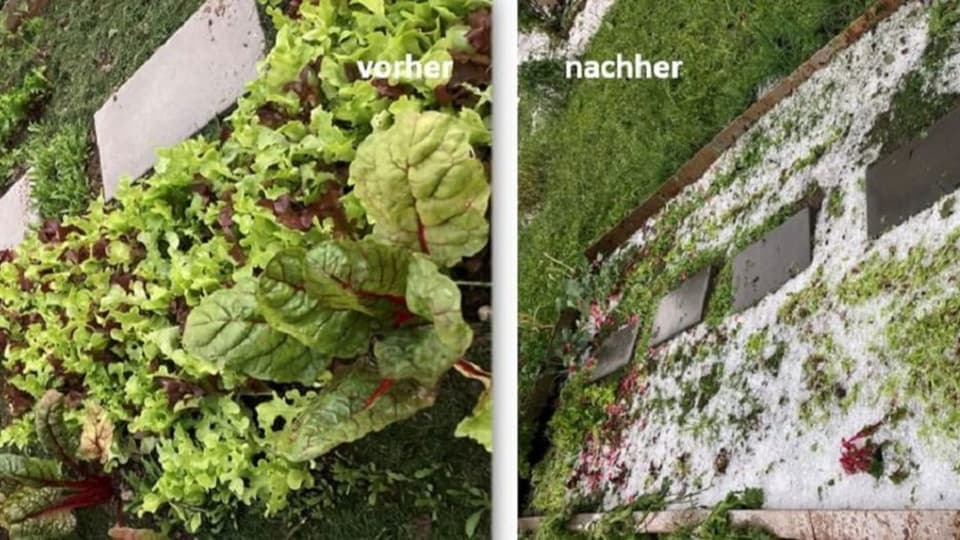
(538, 45)
(867, 335)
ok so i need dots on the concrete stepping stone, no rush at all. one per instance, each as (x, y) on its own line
(914, 176)
(15, 214)
(765, 265)
(682, 308)
(616, 351)
(198, 73)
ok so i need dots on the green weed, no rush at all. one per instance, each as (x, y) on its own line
(58, 177)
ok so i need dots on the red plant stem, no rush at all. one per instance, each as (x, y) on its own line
(401, 318)
(384, 387)
(79, 485)
(96, 490)
(392, 298)
(470, 370)
(422, 236)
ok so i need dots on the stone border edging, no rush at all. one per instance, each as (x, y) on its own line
(16, 213)
(695, 167)
(797, 524)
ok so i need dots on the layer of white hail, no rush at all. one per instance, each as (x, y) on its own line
(797, 466)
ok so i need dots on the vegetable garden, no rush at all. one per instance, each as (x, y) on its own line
(219, 337)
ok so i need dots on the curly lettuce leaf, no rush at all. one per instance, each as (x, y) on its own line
(228, 331)
(479, 425)
(423, 188)
(341, 414)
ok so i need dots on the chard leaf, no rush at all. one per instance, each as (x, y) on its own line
(18, 508)
(97, 435)
(296, 303)
(341, 414)
(51, 427)
(359, 276)
(425, 353)
(422, 186)
(22, 470)
(228, 331)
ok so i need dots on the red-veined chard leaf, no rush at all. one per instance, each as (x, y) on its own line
(97, 435)
(359, 276)
(340, 414)
(425, 353)
(299, 303)
(423, 188)
(17, 470)
(21, 514)
(52, 429)
(228, 331)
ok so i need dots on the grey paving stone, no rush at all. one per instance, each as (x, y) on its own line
(15, 214)
(198, 73)
(914, 176)
(616, 351)
(682, 308)
(765, 265)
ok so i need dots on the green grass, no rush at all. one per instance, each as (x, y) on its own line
(93, 46)
(607, 145)
(59, 184)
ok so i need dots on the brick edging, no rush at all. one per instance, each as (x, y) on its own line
(696, 166)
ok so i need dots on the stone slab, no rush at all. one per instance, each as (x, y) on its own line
(616, 351)
(682, 308)
(197, 74)
(15, 214)
(765, 265)
(913, 177)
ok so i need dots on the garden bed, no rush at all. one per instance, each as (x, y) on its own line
(263, 334)
(642, 133)
(835, 391)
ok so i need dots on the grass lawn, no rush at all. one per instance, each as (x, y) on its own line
(93, 46)
(601, 147)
